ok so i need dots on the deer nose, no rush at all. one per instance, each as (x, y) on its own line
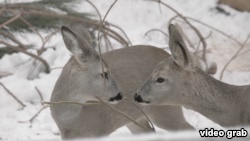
(138, 98)
(116, 98)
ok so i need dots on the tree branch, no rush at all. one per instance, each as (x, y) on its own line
(12, 95)
(131, 119)
(47, 67)
(233, 57)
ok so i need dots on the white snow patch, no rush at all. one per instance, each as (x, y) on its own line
(136, 18)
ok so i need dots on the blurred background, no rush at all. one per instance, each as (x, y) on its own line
(32, 52)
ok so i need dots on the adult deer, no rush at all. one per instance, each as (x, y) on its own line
(176, 81)
(82, 80)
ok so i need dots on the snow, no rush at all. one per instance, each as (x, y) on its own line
(136, 18)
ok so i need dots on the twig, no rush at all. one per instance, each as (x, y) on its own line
(101, 25)
(47, 67)
(115, 36)
(72, 102)
(195, 29)
(172, 19)
(106, 42)
(12, 38)
(98, 41)
(150, 122)
(246, 51)
(35, 116)
(155, 29)
(97, 11)
(40, 95)
(41, 12)
(32, 27)
(46, 39)
(55, 68)
(124, 33)
(131, 119)
(10, 20)
(233, 57)
(109, 43)
(215, 29)
(10, 93)
(205, 38)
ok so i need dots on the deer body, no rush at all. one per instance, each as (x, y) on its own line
(176, 81)
(124, 70)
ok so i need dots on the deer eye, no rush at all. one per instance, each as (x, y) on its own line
(105, 75)
(160, 80)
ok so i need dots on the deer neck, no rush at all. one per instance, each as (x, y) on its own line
(214, 99)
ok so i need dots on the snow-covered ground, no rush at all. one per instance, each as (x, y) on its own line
(136, 17)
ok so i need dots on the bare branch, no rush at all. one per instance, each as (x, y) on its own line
(195, 29)
(98, 39)
(155, 29)
(47, 67)
(97, 11)
(12, 38)
(124, 33)
(35, 116)
(55, 68)
(131, 119)
(31, 27)
(246, 51)
(73, 102)
(46, 39)
(10, 20)
(101, 25)
(215, 29)
(90, 22)
(205, 38)
(40, 95)
(12, 95)
(150, 122)
(172, 19)
(234, 56)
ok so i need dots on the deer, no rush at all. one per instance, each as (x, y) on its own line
(124, 71)
(177, 81)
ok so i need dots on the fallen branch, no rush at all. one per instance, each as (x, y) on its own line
(12, 95)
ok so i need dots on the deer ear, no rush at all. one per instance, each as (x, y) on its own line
(178, 48)
(77, 45)
(70, 40)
